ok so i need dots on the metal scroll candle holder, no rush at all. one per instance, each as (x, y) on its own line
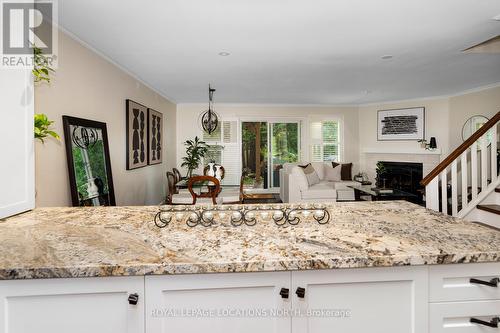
(240, 215)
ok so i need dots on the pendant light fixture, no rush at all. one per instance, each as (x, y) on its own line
(209, 119)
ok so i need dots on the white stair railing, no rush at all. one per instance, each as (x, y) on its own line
(462, 180)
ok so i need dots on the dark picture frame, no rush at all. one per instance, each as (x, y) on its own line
(155, 137)
(71, 139)
(136, 135)
(408, 117)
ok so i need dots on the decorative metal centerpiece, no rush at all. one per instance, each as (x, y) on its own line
(209, 119)
(238, 215)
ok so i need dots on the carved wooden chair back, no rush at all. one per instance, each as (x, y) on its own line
(210, 182)
(171, 186)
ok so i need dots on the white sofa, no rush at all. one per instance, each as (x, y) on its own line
(294, 186)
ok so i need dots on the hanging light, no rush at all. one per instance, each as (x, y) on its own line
(85, 137)
(209, 119)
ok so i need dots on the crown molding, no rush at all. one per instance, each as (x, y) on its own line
(113, 62)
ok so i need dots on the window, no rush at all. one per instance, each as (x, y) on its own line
(215, 148)
(325, 141)
(224, 150)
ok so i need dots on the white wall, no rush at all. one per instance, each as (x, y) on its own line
(86, 85)
(188, 123)
(444, 119)
(436, 124)
(484, 102)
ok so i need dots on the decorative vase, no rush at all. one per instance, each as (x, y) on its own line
(433, 143)
(214, 170)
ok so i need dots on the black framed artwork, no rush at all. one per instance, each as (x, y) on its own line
(401, 124)
(155, 137)
(137, 136)
(89, 165)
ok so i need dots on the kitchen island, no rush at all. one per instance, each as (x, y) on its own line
(376, 266)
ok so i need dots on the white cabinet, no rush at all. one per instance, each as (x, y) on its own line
(410, 299)
(17, 170)
(375, 300)
(98, 305)
(218, 303)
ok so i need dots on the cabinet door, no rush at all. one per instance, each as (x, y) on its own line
(375, 300)
(98, 305)
(217, 303)
(17, 170)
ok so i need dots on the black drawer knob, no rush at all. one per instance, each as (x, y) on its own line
(301, 292)
(133, 299)
(492, 323)
(284, 292)
(491, 283)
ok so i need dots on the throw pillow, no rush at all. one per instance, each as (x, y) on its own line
(346, 171)
(311, 175)
(333, 174)
(300, 178)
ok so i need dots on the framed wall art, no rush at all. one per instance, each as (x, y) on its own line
(155, 137)
(401, 124)
(137, 135)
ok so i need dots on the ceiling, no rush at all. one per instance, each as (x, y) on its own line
(291, 51)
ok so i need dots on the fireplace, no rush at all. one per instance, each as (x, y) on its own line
(404, 176)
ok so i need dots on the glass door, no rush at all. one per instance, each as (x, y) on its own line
(266, 146)
(254, 144)
(284, 148)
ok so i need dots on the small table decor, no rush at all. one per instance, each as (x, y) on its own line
(237, 215)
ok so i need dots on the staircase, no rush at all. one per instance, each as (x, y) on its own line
(466, 184)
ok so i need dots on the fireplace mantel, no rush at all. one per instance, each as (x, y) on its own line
(391, 150)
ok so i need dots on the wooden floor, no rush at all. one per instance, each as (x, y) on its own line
(265, 198)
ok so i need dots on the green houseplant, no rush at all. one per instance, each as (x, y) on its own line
(195, 150)
(381, 172)
(42, 128)
(41, 72)
(41, 68)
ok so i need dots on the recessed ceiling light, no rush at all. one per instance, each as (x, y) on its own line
(224, 54)
(497, 18)
(387, 57)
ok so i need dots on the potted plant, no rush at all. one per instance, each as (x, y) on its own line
(41, 73)
(195, 150)
(381, 171)
(423, 143)
(42, 128)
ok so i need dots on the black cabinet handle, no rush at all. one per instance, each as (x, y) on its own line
(491, 283)
(284, 292)
(301, 292)
(492, 323)
(133, 299)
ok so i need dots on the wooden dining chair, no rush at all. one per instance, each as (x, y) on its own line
(170, 187)
(177, 174)
(213, 189)
(173, 196)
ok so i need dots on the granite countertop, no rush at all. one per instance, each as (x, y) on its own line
(121, 241)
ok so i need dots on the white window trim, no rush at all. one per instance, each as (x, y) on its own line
(323, 118)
